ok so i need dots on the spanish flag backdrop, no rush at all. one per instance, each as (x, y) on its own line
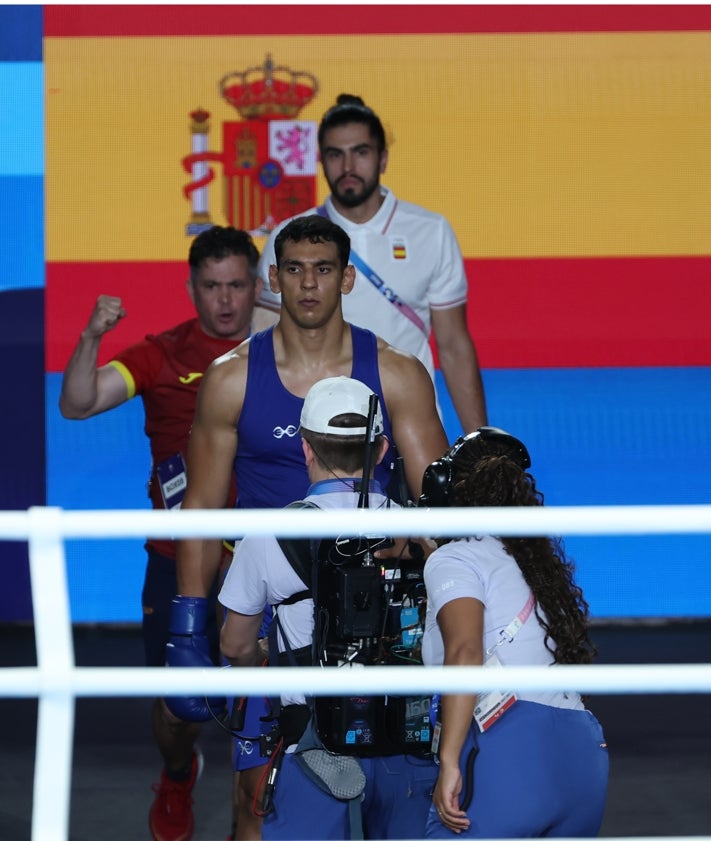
(567, 145)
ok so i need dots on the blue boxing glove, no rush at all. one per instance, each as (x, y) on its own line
(189, 647)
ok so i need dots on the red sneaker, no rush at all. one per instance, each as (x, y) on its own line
(171, 817)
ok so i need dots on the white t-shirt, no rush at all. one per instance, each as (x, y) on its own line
(416, 255)
(480, 568)
(260, 575)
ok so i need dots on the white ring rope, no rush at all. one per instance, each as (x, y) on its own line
(57, 682)
(569, 520)
(135, 682)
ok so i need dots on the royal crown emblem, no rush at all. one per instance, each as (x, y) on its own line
(268, 92)
(268, 159)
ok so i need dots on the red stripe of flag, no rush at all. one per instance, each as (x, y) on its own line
(193, 20)
(526, 313)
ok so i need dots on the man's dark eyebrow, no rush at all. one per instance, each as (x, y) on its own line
(324, 261)
(356, 148)
(232, 280)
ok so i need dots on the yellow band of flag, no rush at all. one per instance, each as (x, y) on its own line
(584, 144)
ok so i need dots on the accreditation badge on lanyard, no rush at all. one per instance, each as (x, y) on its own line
(492, 705)
(173, 480)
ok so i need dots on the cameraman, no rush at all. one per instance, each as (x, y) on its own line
(397, 788)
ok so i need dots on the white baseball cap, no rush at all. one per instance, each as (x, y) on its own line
(335, 396)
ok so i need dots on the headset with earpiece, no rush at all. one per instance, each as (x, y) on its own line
(437, 478)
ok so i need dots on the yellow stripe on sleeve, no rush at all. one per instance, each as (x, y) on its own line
(126, 374)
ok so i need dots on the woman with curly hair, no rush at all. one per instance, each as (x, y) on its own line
(511, 765)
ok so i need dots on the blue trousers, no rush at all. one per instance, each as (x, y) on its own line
(302, 810)
(398, 795)
(394, 804)
(540, 772)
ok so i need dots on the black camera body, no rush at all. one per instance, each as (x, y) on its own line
(353, 597)
(357, 616)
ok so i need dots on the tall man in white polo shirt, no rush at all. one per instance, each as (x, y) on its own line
(411, 276)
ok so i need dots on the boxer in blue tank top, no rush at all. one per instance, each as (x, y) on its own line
(270, 462)
(248, 410)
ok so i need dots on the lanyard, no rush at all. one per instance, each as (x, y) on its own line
(326, 486)
(514, 626)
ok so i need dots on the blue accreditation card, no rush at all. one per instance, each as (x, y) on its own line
(173, 480)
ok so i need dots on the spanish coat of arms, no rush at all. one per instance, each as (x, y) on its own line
(268, 158)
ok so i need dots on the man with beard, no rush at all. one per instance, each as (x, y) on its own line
(410, 274)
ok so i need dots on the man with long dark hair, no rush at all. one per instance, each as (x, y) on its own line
(410, 274)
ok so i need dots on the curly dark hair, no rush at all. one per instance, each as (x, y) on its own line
(561, 610)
